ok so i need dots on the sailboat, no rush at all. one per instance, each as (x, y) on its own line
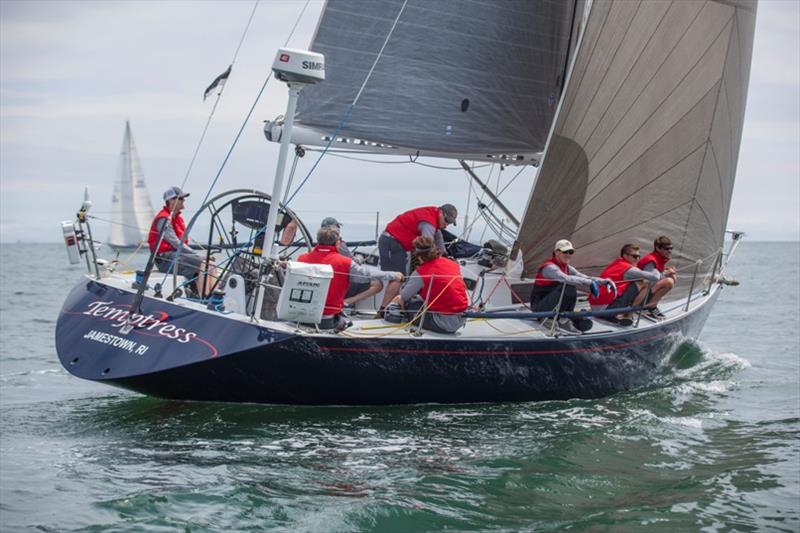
(633, 114)
(131, 210)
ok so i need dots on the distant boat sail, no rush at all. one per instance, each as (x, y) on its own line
(131, 210)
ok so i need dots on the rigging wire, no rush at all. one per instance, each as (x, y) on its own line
(244, 123)
(341, 154)
(250, 112)
(216, 101)
(350, 107)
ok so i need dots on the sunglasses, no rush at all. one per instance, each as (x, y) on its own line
(667, 248)
(635, 256)
(568, 252)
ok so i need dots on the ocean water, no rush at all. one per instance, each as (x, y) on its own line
(713, 445)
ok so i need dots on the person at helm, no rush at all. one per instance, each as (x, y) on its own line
(395, 242)
(168, 239)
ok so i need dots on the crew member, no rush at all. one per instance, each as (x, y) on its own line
(325, 253)
(656, 261)
(551, 276)
(172, 243)
(436, 284)
(396, 240)
(361, 287)
(631, 285)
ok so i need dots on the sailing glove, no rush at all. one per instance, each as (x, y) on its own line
(595, 289)
(611, 287)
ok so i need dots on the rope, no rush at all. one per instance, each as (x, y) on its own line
(350, 107)
(125, 263)
(380, 53)
(244, 123)
(216, 101)
(341, 154)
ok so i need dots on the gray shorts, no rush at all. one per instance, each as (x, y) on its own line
(356, 288)
(626, 298)
(393, 257)
(188, 263)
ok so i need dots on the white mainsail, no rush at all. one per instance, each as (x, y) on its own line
(131, 209)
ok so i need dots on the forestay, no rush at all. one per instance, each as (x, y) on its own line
(647, 136)
(472, 80)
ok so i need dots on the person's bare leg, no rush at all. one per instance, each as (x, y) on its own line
(207, 277)
(375, 287)
(637, 301)
(392, 290)
(661, 288)
(288, 233)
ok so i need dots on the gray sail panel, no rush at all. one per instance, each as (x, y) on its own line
(473, 77)
(648, 134)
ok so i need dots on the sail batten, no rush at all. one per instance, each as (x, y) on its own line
(648, 134)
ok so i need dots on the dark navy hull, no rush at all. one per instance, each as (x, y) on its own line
(232, 361)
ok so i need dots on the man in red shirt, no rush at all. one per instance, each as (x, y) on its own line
(396, 240)
(656, 262)
(173, 249)
(344, 268)
(631, 283)
(556, 284)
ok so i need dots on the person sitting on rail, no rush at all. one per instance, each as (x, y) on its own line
(555, 276)
(437, 286)
(656, 262)
(631, 285)
(361, 287)
(325, 253)
(167, 239)
(396, 240)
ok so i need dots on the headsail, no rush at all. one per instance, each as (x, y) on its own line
(131, 210)
(469, 80)
(647, 136)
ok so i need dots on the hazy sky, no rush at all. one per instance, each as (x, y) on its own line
(71, 73)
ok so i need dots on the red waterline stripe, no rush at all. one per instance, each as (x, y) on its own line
(462, 352)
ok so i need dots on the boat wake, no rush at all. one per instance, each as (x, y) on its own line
(695, 369)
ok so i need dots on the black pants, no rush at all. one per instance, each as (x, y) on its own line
(546, 298)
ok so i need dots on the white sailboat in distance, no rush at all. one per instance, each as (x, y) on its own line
(131, 209)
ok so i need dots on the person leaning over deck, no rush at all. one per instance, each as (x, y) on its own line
(344, 268)
(190, 264)
(437, 284)
(656, 262)
(361, 287)
(552, 275)
(631, 285)
(396, 240)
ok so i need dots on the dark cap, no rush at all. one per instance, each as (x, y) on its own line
(330, 221)
(450, 213)
(174, 192)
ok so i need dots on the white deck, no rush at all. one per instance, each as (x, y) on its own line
(366, 326)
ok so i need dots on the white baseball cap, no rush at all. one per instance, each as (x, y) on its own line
(564, 246)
